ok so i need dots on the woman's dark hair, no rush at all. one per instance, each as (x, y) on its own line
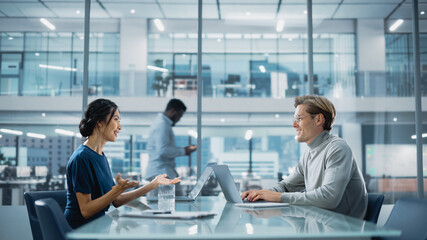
(97, 111)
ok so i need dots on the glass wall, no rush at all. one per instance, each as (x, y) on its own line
(251, 70)
(51, 64)
(267, 65)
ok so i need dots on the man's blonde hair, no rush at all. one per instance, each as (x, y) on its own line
(318, 105)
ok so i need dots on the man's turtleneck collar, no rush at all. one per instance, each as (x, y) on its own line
(319, 139)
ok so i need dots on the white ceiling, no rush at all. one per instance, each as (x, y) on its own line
(228, 9)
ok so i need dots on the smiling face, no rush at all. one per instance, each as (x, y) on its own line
(307, 125)
(112, 129)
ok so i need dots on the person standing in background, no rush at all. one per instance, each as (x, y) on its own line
(161, 146)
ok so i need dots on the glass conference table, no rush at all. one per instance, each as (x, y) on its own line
(230, 222)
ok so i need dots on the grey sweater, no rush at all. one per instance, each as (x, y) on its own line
(330, 176)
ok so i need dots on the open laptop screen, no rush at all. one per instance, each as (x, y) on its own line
(200, 183)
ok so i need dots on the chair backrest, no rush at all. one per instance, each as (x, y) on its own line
(375, 202)
(53, 224)
(410, 216)
(31, 197)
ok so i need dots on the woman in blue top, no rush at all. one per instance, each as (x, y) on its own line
(91, 188)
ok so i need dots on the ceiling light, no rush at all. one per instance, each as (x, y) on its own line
(280, 25)
(222, 120)
(64, 132)
(277, 116)
(132, 11)
(36, 135)
(47, 23)
(249, 134)
(422, 12)
(396, 25)
(262, 68)
(14, 132)
(10, 38)
(290, 39)
(159, 25)
(77, 11)
(394, 119)
(305, 12)
(157, 68)
(37, 54)
(58, 68)
(43, 114)
(424, 135)
(248, 13)
(218, 40)
(1, 136)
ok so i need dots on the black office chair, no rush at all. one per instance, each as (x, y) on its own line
(30, 197)
(375, 202)
(53, 224)
(410, 216)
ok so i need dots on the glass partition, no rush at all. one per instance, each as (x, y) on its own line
(254, 62)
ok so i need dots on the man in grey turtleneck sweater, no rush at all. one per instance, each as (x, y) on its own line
(327, 175)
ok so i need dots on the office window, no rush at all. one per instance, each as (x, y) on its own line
(52, 63)
(244, 64)
(399, 64)
(12, 42)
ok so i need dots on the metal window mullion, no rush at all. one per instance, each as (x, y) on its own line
(417, 83)
(86, 57)
(199, 89)
(310, 47)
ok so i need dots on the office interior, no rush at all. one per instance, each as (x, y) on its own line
(255, 60)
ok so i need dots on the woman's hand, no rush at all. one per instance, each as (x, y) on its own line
(162, 180)
(124, 184)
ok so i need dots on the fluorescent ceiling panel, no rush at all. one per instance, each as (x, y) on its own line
(127, 1)
(375, 11)
(243, 2)
(34, 10)
(187, 1)
(12, 10)
(291, 12)
(122, 10)
(68, 9)
(78, 1)
(372, 1)
(257, 11)
(189, 11)
(405, 11)
(316, 1)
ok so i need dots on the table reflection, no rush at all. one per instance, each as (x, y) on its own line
(230, 222)
(304, 219)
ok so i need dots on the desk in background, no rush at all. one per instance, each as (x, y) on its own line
(292, 222)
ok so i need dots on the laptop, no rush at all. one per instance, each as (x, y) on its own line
(232, 194)
(196, 190)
